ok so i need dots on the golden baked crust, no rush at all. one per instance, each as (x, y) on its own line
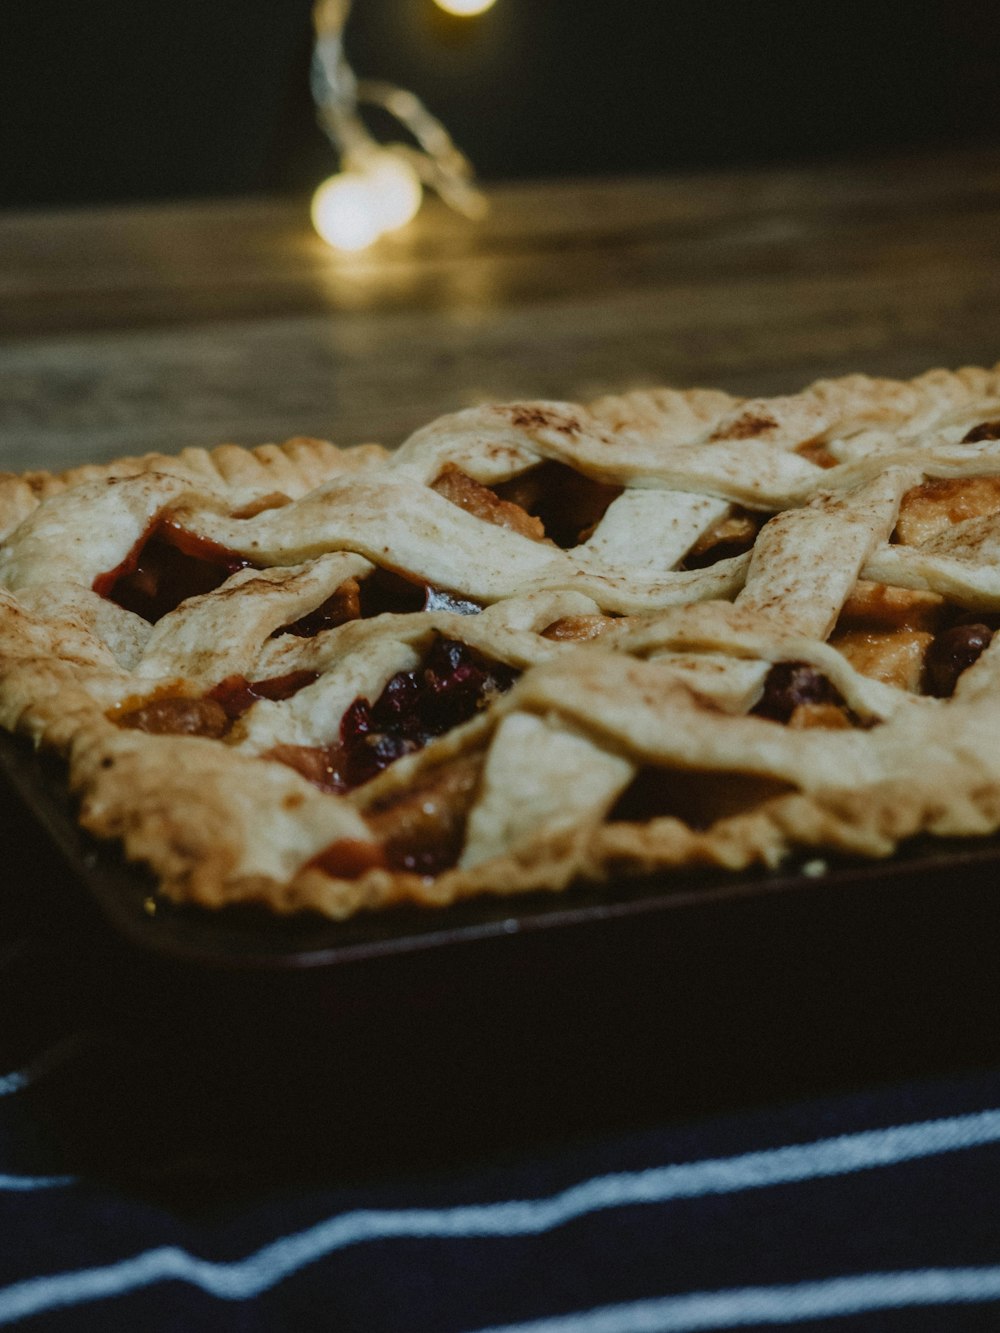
(536, 644)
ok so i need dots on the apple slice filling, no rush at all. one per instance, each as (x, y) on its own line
(547, 502)
(730, 536)
(211, 714)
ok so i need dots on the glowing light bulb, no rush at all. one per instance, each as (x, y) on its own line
(394, 189)
(465, 8)
(343, 212)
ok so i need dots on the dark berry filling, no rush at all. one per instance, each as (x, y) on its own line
(950, 653)
(450, 686)
(453, 683)
(790, 684)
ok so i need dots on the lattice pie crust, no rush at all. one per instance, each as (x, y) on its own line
(537, 644)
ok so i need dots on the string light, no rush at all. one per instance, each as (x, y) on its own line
(380, 186)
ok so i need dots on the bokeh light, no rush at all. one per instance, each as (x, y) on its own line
(354, 208)
(465, 8)
(342, 212)
(395, 190)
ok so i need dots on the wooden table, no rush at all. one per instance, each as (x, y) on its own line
(137, 328)
(129, 329)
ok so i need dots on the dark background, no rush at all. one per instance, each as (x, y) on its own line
(107, 99)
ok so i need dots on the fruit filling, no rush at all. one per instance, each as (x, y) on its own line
(175, 715)
(420, 830)
(235, 694)
(936, 505)
(911, 639)
(698, 798)
(915, 640)
(165, 567)
(475, 498)
(550, 501)
(986, 430)
(953, 651)
(451, 685)
(799, 696)
(885, 632)
(382, 592)
(732, 535)
(211, 714)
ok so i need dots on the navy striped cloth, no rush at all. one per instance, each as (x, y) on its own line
(876, 1211)
(144, 1188)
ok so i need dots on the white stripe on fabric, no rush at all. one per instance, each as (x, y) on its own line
(25, 1184)
(744, 1307)
(244, 1278)
(67, 1049)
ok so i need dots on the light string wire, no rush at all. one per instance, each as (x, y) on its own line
(392, 174)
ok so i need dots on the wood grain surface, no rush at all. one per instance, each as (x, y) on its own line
(135, 328)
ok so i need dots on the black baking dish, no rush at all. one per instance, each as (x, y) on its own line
(255, 939)
(840, 968)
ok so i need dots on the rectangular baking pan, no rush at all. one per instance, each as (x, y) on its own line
(685, 991)
(257, 940)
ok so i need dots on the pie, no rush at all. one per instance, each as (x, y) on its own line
(537, 645)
